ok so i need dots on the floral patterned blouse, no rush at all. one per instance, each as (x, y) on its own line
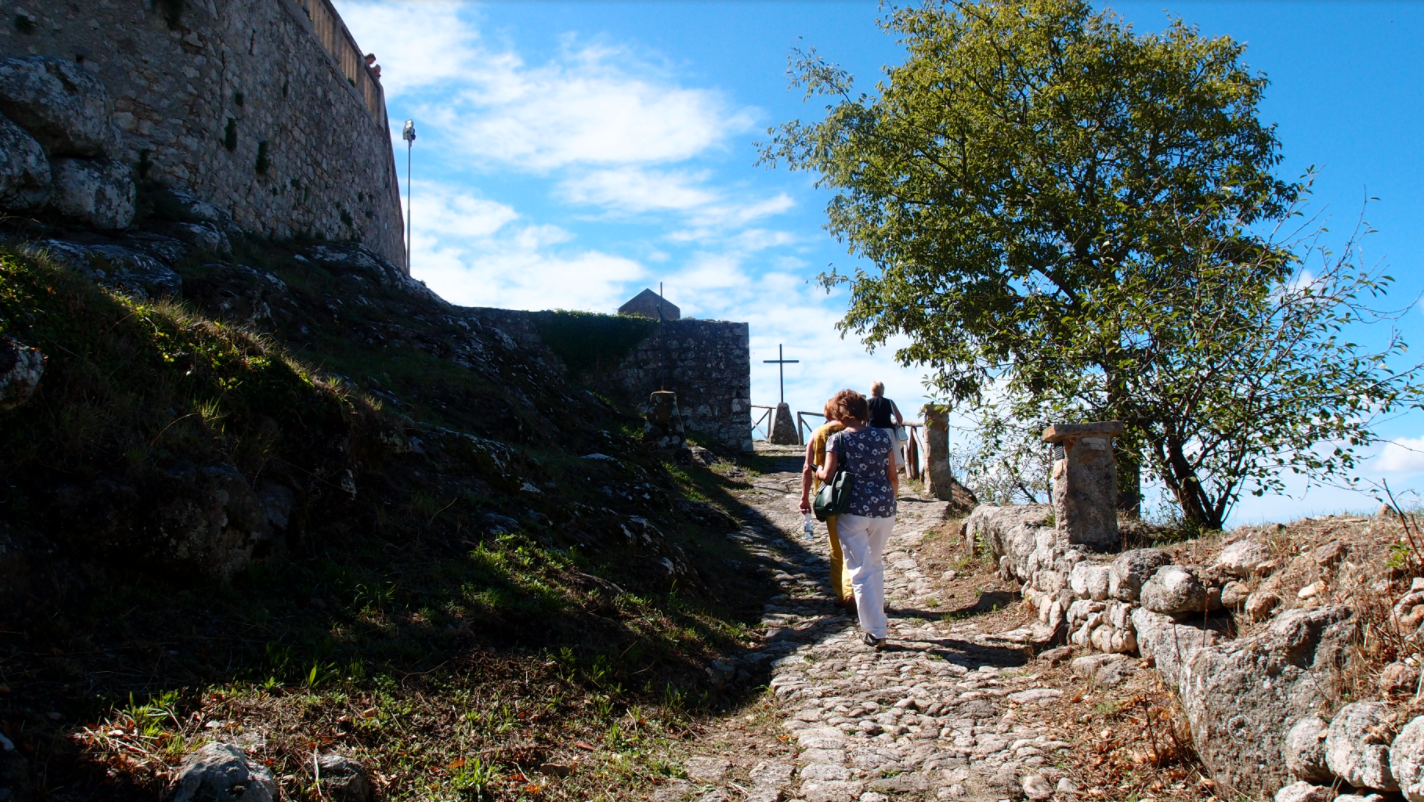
(866, 454)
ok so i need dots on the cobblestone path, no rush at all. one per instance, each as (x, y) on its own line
(945, 712)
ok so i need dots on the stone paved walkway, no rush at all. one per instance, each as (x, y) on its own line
(945, 712)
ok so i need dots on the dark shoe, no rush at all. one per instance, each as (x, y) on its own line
(850, 607)
(873, 642)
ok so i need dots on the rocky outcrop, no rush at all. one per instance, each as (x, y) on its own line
(1168, 644)
(1174, 591)
(1305, 750)
(1007, 531)
(1131, 570)
(1302, 791)
(342, 779)
(221, 771)
(21, 368)
(24, 170)
(119, 267)
(1243, 558)
(59, 149)
(1357, 746)
(1406, 760)
(1242, 697)
(96, 192)
(60, 104)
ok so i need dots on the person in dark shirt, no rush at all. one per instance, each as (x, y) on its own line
(885, 415)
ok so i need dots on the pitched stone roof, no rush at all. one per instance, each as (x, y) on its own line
(645, 304)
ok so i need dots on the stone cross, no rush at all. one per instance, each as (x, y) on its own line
(1085, 483)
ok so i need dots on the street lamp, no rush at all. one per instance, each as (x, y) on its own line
(409, 136)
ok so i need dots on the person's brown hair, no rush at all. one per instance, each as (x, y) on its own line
(850, 404)
(877, 388)
(830, 410)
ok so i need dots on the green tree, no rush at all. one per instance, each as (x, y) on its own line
(1065, 216)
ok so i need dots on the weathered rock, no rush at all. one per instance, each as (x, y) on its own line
(1234, 594)
(1107, 670)
(1169, 644)
(1260, 605)
(707, 769)
(60, 104)
(96, 192)
(21, 368)
(1131, 570)
(125, 269)
(1409, 612)
(1036, 787)
(1406, 760)
(1242, 696)
(184, 207)
(207, 238)
(1329, 554)
(1089, 581)
(1303, 792)
(342, 779)
(221, 771)
(1243, 557)
(25, 178)
(1305, 750)
(1357, 746)
(1175, 591)
(1399, 678)
(1010, 532)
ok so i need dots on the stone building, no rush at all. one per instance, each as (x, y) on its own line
(262, 108)
(645, 304)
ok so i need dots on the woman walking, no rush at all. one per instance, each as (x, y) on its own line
(865, 526)
(815, 458)
(885, 415)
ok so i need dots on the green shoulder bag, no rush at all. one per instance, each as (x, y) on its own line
(834, 496)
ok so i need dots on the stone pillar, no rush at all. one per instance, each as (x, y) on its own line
(939, 480)
(783, 426)
(663, 426)
(1085, 483)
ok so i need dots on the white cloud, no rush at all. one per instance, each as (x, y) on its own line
(591, 105)
(632, 189)
(1405, 455)
(446, 210)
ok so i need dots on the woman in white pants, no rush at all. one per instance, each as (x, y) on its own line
(865, 526)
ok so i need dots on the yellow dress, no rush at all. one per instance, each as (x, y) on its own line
(839, 583)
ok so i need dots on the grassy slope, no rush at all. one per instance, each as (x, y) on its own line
(446, 624)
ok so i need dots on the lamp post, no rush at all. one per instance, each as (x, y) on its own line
(409, 136)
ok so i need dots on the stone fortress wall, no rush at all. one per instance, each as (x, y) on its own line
(709, 367)
(238, 102)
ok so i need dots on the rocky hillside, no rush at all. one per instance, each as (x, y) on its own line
(283, 489)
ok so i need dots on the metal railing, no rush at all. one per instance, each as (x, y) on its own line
(350, 61)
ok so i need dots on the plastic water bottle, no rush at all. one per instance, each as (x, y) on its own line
(809, 528)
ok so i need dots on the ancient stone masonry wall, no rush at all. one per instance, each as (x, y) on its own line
(709, 367)
(235, 101)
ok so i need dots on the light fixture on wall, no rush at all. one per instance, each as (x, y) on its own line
(409, 136)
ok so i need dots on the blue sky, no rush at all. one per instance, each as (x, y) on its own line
(571, 154)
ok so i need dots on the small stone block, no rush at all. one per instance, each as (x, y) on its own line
(1059, 432)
